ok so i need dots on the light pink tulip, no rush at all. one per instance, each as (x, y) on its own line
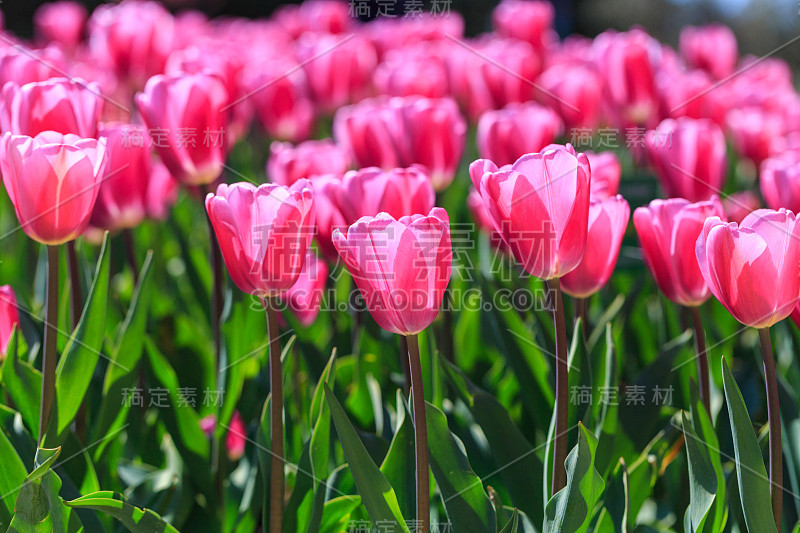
(9, 317)
(712, 48)
(305, 297)
(63, 22)
(752, 269)
(288, 163)
(53, 181)
(606, 174)
(608, 220)
(518, 129)
(401, 267)
(399, 192)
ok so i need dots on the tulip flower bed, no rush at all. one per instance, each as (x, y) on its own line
(309, 274)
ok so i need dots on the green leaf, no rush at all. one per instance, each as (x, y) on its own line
(750, 470)
(570, 509)
(77, 363)
(121, 372)
(702, 479)
(23, 383)
(701, 422)
(39, 507)
(337, 514)
(507, 444)
(133, 518)
(12, 476)
(467, 504)
(319, 448)
(513, 523)
(376, 493)
(399, 465)
(617, 498)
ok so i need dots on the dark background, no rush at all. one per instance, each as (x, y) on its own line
(761, 25)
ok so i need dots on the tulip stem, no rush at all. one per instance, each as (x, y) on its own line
(774, 416)
(50, 338)
(76, 295)
(404, 362)
(559, 479)
(275, 421)
(702, 358)
(420, 436)
(580, 313)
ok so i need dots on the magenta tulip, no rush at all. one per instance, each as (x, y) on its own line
(606, 174)
(328, 213)
(608, 220)
(540, 205)
(689, 157)
(400, 132)
(339, 69)
(62, 22)
(22, 65)
(305, 297)
(752, 269)
(711, 48)
(756, 132)
(780, 181)
(668, 231)
(9, 317)
(263, 232)
(401, 267)
(58, 104)
(187, 118)
(507, 134)
(134, 38)
(53, 181)
(132, 188)
(278, 90)
(575, 91)
(288, 163)
(740, 204)
(398, 192)
(528, 21)
(483, 220)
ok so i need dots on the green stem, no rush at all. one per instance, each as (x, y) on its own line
(76, 296)
(702, 358)
(559, 479)
(275, 422)
(420, 436)
(50, 337)
(774, 416)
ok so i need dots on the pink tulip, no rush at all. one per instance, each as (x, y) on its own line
(62, 22)
(339, 69)
(689, 157)
(540, 205)
(608, 220)
(780, 181)
(414, 70)
(305, 297)
(740, 204)
(400, 132)
(694, 94)
(606, 174)
(528, 21)
(9, 317)
(628, 62)
(278, 90)
(328, 213)
(288, 163)
(236, 434)
(225, 61)
(23, 66)
(755, 132)
(752, 269)
(398, 192)
(331, 16)
(53, 181)
(712, 48)
(668, 231)
(58, 104)
(132, 187)
(518, 129)
(263, 233)
(133, 37)
(504, 72)
(575, 91)
(483, 220)
(429, 29)
(187, 117)
(401, 267)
